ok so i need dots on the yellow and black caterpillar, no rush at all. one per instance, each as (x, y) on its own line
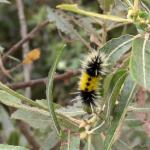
(93, 68)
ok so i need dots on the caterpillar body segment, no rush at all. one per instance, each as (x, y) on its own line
(93, 68)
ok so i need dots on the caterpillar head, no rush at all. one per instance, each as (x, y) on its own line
(95, 64)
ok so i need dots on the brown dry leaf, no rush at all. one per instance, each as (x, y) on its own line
(32, 56)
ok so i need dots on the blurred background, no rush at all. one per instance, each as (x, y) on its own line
(78, 33)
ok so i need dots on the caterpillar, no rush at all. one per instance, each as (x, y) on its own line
(93, 68)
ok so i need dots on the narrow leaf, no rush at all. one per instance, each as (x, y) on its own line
(121, 110)
(49, 93)
(140, 62)
(76, 9)
(112, 97)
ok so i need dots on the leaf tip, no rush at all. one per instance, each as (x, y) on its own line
(67, 6)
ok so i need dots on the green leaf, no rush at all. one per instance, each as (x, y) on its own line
(33, 118)
(49, 91)
(146, 4)
(74, 142)
(137, 109)
(72, 111)
(43, 103)
(17, 96)
(116, 84)
(11, 147)
(61, 23)
(71, 141)
(116, 47)
(97, 142)
(121, 145)
(140, 62)
(121, 110)
(6, 122)
(9, 100)
(68, 122)
(51, 141)
(13, 138)
(76, 9)
(107, 5)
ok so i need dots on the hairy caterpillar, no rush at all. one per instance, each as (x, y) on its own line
(93, 68)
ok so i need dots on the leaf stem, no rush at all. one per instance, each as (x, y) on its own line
(74, 8)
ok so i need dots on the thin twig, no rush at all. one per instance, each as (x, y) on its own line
(25, 46)
(29, 36)
(25, 129)
(31, 83)
(4, 71)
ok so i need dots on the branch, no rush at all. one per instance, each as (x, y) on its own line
(31, 83)
(25, 46)
(25, 129)
(4, 71)
(29, 36)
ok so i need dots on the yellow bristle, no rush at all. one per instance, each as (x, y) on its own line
(90, 85)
